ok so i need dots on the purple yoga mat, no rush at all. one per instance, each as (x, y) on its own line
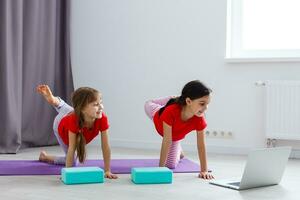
(118, 166)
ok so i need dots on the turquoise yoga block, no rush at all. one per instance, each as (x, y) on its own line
(146, 175)
(79, 175)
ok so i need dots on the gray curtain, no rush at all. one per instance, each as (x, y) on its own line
(34, 49)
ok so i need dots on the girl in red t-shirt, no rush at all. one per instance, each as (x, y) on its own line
(76, 126)
(175, 117)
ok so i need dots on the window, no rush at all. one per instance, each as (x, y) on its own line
(263, 30)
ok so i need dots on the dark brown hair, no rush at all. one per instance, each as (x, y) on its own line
(80, 98)
(193, 90)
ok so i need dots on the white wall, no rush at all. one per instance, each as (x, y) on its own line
(135, 50)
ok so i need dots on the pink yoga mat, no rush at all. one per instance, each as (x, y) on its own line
(118, 166)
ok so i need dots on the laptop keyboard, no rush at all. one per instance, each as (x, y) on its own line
(235, 183)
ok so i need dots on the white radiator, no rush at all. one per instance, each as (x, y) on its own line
(282, 110)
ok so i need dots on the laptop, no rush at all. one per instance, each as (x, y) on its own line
(264, 167)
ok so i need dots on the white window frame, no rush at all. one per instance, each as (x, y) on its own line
(234, 51)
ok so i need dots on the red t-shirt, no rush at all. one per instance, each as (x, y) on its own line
(172, 116)
(70, 123)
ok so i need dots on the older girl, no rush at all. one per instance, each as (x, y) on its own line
(175, 117)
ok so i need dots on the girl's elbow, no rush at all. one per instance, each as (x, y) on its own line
(71, 150)
(167, 137)
(167, 141)
(105, 147)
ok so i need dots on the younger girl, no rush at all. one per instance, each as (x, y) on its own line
(174, 117)
(75, 127)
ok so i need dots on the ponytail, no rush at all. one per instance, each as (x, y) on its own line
(178, 100)
(80, 147)
(80, 142)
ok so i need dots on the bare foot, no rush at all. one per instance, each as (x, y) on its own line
(44, 157)
(45, 91)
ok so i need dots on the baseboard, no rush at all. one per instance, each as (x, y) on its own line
(135, 144)
(295, 153)
(155, 145)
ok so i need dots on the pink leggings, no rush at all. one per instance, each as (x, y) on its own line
(151, 107)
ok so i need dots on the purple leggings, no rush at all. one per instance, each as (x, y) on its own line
(151, 107)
